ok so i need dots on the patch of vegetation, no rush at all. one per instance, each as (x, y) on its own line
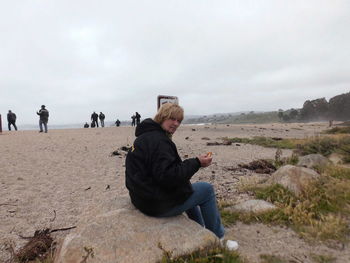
(335, 171)
(338, 130)
(320, 213)
(280, 161)
(323, 258)
(211, 255)
(271, 259)
(321, 145)
(265, 142)
(324, 145)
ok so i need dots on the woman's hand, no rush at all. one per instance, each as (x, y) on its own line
(205, 160)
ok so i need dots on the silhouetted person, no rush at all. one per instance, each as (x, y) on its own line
(11, 119)
(102, 119)
(133, 119)
(138, 118)
(44, 118)
(117, 123)
(86, 125)
(94, 118)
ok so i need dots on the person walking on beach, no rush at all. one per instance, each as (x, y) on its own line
(11, 119)
(102, 119)
(133, 118)
(44, 118)
(94, 118)
(117, 123)
(138, 118)
(159, 181)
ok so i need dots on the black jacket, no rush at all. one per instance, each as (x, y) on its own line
(156, 177)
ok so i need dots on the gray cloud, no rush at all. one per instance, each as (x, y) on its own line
(117, 56)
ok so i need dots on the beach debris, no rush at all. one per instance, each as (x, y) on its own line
(87, 188)
(205, 138)
(213, 143)
(224, 142)
(125, 148)
(193, 129)
(187, 138)
(7, 204)
(53, 219)
(115, 153)
(260, 166)
(277, 138)
(108, 187)
(38, 245)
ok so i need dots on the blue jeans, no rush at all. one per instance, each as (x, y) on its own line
(41, 125)
(201, 207)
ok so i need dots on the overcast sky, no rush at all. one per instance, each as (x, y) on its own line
(217, 56)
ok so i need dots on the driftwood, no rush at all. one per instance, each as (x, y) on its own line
(259, 166)
(224, 142)
(38, 245)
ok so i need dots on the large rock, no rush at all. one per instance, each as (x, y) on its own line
(253, 206)
(336, 158)
(296, 179)
(115, 231)
(312, 160)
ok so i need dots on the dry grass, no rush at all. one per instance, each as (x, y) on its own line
(215, 254)
(321, 213)
(325, 145)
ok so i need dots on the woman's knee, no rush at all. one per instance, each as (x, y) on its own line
(204, 187)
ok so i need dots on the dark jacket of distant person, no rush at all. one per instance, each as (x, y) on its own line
(156, 177)
(11, 117)
(94, 116)
(44, 114)
(102, 116)
(138, 118)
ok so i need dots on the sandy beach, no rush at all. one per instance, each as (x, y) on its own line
(47, 180)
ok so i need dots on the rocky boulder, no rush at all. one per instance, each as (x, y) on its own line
(336, 158)
(313, 160)
(114, 231)
(294, 178)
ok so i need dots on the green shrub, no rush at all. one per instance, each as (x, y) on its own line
(323, 258)
(338, 130)
(321, 212)
(210, 255)
(321, 145)
(265, 142)
(272, 259)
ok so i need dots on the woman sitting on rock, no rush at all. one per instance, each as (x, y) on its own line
(159, 181)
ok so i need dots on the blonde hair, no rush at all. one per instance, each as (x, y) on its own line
(169, 111)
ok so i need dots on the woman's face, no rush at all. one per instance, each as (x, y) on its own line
(170, 125)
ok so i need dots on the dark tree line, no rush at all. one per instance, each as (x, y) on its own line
(338, 108)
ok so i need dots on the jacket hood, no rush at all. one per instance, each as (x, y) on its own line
(147, 125)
